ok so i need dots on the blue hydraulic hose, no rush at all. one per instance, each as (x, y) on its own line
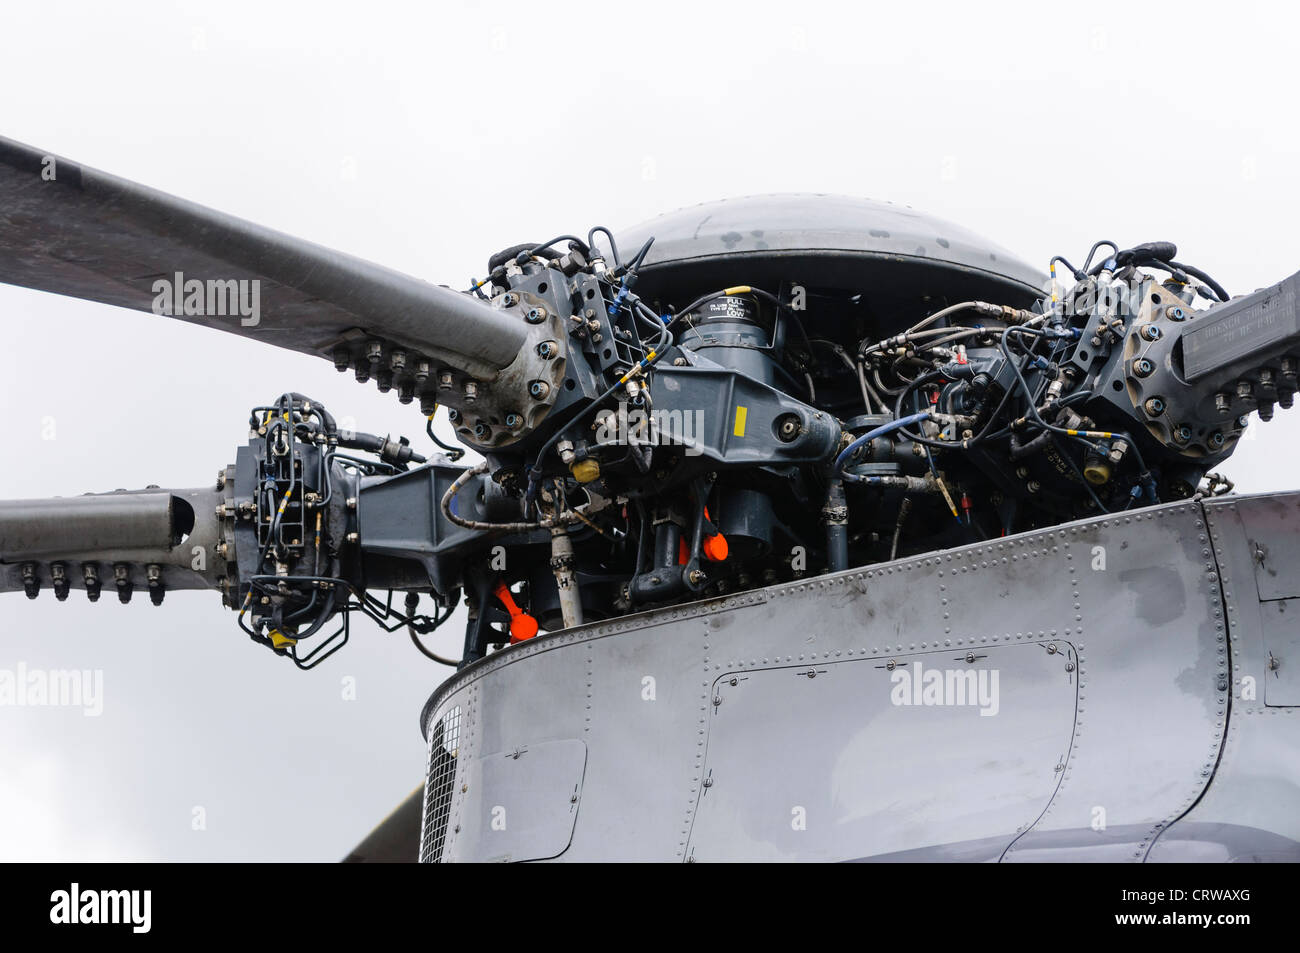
(842, 460)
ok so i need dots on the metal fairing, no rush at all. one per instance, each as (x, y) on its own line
(1248, 812)
(705, 738)
(888, 247)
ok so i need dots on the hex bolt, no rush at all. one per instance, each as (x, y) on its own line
(1244, 390)
(509, 300)
(696, 576)
(471, 391)
(539, 389)
(514, 421)
(445, 380)
(122, 579)
(1217, 440)
(1243, 421)
(482, 431)
(374, 351)
(453, 415)
(421, 371)
(31, 582)
(397, 360)
(153, 576)
(547, 350)
(1143, 367)
(1223, 404)
(342, 359)
(535, 315)
(59, 578)
(1182, 433)
(1151, 332)
(90, 576)
(1154, 406)
(1176, 314)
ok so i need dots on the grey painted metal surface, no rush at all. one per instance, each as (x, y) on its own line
(742, 231)
(706, 739)
(1256, 783)
(175, 530)
(73, 230)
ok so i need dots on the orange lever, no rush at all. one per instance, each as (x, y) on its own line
(714, 547)
(522, 625)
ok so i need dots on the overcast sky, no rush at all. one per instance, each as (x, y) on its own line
(427, 136)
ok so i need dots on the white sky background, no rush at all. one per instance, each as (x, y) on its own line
(427, 136)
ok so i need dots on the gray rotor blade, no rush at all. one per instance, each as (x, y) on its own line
(71, 230)
(147, 539)
(396, 839)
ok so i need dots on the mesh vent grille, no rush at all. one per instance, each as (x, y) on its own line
(444, 741)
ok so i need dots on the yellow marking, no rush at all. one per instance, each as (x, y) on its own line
(741, 414)
(738, 290)
(1096, 434)
(944, 489)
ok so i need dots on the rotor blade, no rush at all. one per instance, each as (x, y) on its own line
(396, 839)
(152, 540)
(70, 230)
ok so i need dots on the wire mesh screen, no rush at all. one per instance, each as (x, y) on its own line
(444, 739)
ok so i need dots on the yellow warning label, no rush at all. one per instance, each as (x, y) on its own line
(741, 413)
